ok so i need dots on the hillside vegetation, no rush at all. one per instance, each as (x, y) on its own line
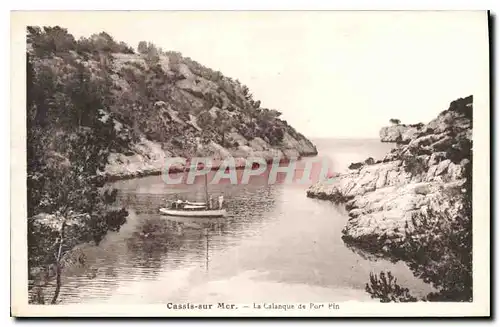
(161, 103)
(415, 205)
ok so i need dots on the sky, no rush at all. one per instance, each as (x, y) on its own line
(331, 74)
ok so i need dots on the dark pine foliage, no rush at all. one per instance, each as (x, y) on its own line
(68, 143)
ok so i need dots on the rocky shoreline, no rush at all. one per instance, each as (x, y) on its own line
(424, 177)
(240, 164)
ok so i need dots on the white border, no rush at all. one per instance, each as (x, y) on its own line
(481, 195)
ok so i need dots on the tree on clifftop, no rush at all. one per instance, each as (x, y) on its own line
(150, 52)
(395, 121)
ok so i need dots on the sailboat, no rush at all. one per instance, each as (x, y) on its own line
(194, 209)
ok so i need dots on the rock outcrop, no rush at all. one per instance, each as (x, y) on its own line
(388, 199)
(162, 104)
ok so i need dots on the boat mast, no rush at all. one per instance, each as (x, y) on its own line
(206, 190)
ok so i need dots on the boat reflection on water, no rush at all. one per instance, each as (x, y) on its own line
(206, 225)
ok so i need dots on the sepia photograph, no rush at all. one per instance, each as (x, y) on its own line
(250, 163)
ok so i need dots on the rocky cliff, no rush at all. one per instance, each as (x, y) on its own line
(160, 103)
(416, 184)
(202, 111)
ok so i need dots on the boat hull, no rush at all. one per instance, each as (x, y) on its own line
(193, 213)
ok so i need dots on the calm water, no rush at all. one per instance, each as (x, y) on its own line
(275, 245)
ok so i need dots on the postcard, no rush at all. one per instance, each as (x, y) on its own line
(250, 163)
